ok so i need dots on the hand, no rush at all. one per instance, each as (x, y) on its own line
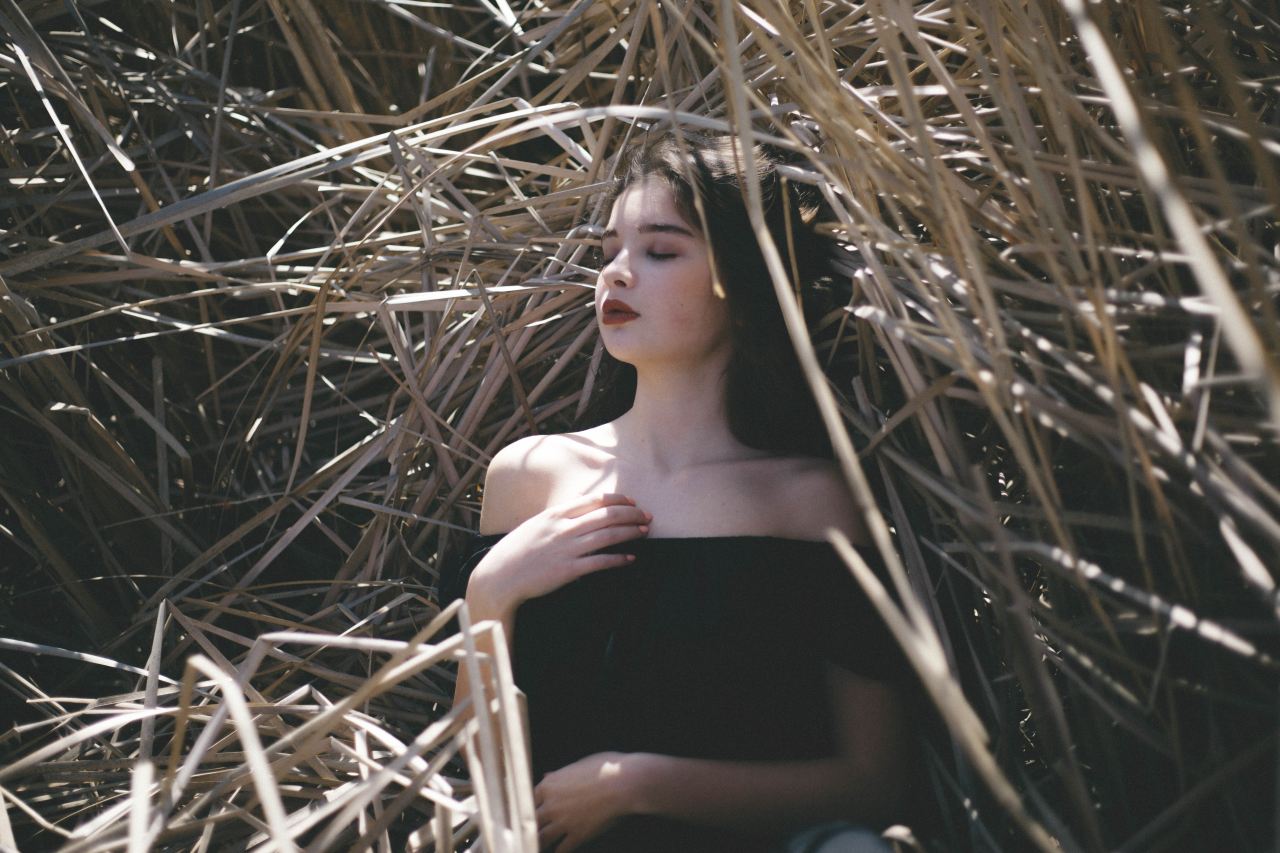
(551, 549)
(581, 800)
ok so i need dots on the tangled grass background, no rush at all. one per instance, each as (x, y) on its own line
(277, 277)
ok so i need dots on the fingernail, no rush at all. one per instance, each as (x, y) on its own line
(644, 528)
(630, 557)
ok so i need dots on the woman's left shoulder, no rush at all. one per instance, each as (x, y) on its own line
(809, 496)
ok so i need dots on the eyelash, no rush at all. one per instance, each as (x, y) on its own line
(605, 260)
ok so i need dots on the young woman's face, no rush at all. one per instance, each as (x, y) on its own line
(654, 297)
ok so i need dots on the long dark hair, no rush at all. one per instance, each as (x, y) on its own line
(767, 399)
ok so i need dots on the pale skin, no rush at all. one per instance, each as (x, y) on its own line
(670, 467)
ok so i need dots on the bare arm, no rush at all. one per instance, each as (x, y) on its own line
(505, 491)
(545, 547)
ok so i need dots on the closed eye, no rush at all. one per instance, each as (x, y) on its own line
(662, 256)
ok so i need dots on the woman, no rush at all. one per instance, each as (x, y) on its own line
(702, 673)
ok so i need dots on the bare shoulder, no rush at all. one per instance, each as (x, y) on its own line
(521, 478)
(812, 496)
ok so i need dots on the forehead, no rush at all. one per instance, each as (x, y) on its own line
(646, 202)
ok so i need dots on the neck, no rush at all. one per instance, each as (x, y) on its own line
(678, 418)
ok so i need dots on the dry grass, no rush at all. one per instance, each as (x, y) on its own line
(278, 276)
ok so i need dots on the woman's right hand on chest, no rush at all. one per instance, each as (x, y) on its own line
(552, 548)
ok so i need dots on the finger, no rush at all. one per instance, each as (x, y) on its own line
(607, 516)
(542, 809)
(589, 563)
(599, 562)
(549, 836)
(586, 503)
(607, 536)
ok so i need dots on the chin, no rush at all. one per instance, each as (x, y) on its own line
(625, 354)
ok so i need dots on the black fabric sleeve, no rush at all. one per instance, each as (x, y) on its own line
(852, 633)
(455, 573)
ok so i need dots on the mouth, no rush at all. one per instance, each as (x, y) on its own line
(614, 312)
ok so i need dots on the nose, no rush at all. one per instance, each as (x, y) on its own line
(618, 271)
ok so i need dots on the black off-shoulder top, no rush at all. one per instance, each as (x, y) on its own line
(711, 647)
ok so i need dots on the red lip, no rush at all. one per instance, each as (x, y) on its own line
(615, 311)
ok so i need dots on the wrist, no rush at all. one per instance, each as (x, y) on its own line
(482, 604)
(642, 772)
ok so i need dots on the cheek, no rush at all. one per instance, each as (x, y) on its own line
(694, 293)
(708, 316)
(705, 301)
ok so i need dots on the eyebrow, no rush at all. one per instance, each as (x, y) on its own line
(653, 228)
